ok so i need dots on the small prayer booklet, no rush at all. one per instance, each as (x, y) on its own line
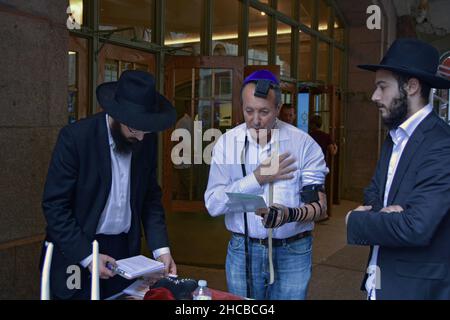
(242, 202)
(138, 266)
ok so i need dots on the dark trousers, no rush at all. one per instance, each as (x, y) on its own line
(115, 246)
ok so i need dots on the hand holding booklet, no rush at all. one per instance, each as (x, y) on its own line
(243, 202)
(138, 266)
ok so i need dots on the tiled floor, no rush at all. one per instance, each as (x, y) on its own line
(199, 243)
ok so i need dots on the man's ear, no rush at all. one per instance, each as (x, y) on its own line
(278, 109)
(413, 87)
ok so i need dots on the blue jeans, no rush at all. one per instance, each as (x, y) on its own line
(292, 267)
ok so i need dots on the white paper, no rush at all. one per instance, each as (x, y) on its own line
(244, 202)
(138, 266)
(138, 288)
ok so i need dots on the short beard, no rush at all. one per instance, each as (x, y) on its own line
(398, 111)
(123, 144)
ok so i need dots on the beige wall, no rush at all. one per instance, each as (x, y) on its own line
(33, 77)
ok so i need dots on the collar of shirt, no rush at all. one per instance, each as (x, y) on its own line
(406, 129)
(112, 144)
(280, 134)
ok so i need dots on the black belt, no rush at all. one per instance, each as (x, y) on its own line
(278, 242)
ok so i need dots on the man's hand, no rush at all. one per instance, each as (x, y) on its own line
(270, 221)
(275, 168)
(360, 208)
(169, 265)
(393, 208)
(103, 271)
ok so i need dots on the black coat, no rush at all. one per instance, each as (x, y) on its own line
(77, 188)
(414, 255)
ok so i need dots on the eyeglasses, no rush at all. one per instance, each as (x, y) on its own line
(137, 131)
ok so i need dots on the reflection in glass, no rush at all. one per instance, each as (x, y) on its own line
(130, 19)
(257, 41)
(225, 28)
(204, 83)
(73, 86)
(182, 178)
(203, 99)
(183, 25)
(111, 70)
(284, 49)
(222, 84)
(321, 107)
(125, 65)
(223, 111)
(305, 58)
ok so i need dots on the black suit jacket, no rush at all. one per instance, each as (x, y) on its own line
(77, 188)
(414, 255)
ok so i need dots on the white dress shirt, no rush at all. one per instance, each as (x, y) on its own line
(116, 216)
(400, 137)
(226, 176)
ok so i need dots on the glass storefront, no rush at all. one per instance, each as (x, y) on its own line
(224, 36)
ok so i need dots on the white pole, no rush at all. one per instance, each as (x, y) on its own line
(95, 290)
(45, 280)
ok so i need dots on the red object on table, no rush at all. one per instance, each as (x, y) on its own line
(159, 294)
(165, 294)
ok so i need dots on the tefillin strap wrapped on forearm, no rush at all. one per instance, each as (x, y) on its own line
(262, 88)
(311, 211)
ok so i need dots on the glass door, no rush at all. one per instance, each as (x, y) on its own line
(205, 92)
(324, 101)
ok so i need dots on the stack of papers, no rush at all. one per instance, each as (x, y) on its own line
(243, 202)
(138, 288)
(138, 266)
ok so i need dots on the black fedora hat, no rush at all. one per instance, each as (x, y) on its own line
(134, 101)
(415, 58)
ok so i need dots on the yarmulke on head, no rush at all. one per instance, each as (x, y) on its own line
(264, 80)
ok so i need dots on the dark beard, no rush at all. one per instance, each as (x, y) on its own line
(124, 145)
(398, 112)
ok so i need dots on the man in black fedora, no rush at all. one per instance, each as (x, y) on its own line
(405, 218)
(101, 184)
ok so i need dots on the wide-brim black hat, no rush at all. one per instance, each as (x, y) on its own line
(134, 101)
(415, 58)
